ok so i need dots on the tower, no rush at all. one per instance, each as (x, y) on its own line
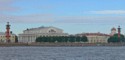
(8, 32)
(113, 31)
(119, 32)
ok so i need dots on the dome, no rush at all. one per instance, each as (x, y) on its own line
(113, 29)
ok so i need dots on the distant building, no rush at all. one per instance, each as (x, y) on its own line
(3, 37)
(96, 37)
(113, 31)
(30, 35)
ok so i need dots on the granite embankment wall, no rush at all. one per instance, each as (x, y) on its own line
(60, 44)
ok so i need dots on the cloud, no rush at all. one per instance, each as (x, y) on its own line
(6, 5)
(50, 18)
(34, 18)
(109, 12)
(92, 19)
(6, 1)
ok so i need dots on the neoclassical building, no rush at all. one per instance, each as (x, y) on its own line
(4, 40)
(96, 37)
(113, 31)
(30, 35)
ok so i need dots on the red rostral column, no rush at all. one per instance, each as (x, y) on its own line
(8, 32)
(119, 32)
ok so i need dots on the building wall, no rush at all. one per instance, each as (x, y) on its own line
(26, 38)
(113, 32)
(29, 36)
(97, 39)
(3, 38)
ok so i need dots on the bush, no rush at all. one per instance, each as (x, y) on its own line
(116, 39)
(62, 39)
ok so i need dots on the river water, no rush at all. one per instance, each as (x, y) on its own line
(62, 53)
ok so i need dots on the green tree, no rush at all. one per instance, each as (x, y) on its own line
(38, 39)
(84, 39)
(61, 39)
(16, 39)
(116, 39)
(78, 39)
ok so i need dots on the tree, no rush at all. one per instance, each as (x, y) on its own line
(84, 39)
(78, 39)
(61, 39)
(116, 39)
(16, 39)
(71, 39)
(38, 39)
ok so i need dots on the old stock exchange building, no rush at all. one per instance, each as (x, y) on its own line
(30, 35)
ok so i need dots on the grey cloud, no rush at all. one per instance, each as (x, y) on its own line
(49, 18)
(35, 18)
(6, 5)
(6, 1)
(109, 12)
(93, 19)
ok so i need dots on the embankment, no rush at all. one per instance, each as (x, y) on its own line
(61, 44)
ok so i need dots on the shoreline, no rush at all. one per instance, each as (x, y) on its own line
(61, 44)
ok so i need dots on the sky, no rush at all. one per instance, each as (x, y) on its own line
(73, 16)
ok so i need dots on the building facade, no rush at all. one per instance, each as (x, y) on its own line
(3, 38)
(96, 37)
(30, 35)
(113, 31)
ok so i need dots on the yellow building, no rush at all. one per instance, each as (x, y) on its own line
(96, 37)
(3, 37)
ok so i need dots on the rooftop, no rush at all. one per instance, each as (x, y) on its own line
(42, 27)
(93, 34)
(113, 29)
